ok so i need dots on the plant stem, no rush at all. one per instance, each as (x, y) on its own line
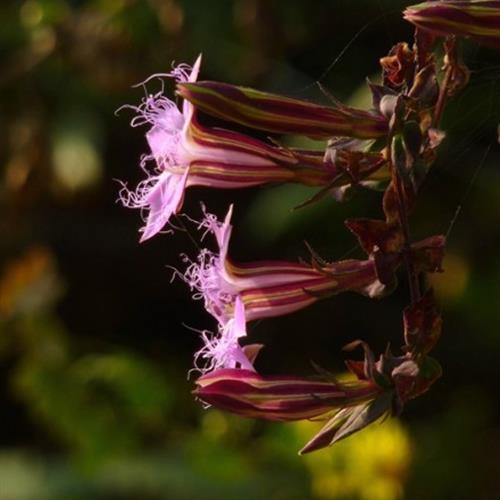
(443, 94)
(413, 281)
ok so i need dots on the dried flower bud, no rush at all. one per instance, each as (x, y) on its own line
(422, 324)
(398, 67)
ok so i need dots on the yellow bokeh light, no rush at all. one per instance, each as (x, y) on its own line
(214, 424)
(370, 465)
(31, 13)
(76, 162)
(452, 283)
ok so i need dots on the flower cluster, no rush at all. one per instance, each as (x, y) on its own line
(392, 145)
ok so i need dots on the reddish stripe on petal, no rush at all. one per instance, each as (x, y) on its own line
(277, 268)
(248, 376)
(287, 293)
(279, 387)
(228, 140)
(226, 175)
(227, 159)
(350, 275)
(246, 409)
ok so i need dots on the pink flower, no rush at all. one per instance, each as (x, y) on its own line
(347, 407)
(186, 153)
(162, 192)
(268, 288)
(207, 275)
(380, 388)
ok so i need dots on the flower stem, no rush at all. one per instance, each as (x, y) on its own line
(413, 280)
(443, 94)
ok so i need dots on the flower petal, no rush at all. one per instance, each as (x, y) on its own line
(162, 200)
(187, 107)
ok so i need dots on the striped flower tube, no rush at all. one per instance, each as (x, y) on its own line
(348, 407)
(284, 398)
(478, 19)
(303, 285)
(269, 288)
(226, 159)
(380, 388)
(185, 153)
(279, 114)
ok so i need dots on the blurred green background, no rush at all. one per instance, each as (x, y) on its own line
(93, 352)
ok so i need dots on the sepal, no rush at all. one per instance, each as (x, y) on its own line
(348, 421)
(422, 324)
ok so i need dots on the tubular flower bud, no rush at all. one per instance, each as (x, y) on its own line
(279, 114)
(269, 288)
(479, 20)
(380, 388)
(282, 398)
(184, 153)
(348, 407)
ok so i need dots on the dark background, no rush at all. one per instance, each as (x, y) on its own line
(94, 355)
